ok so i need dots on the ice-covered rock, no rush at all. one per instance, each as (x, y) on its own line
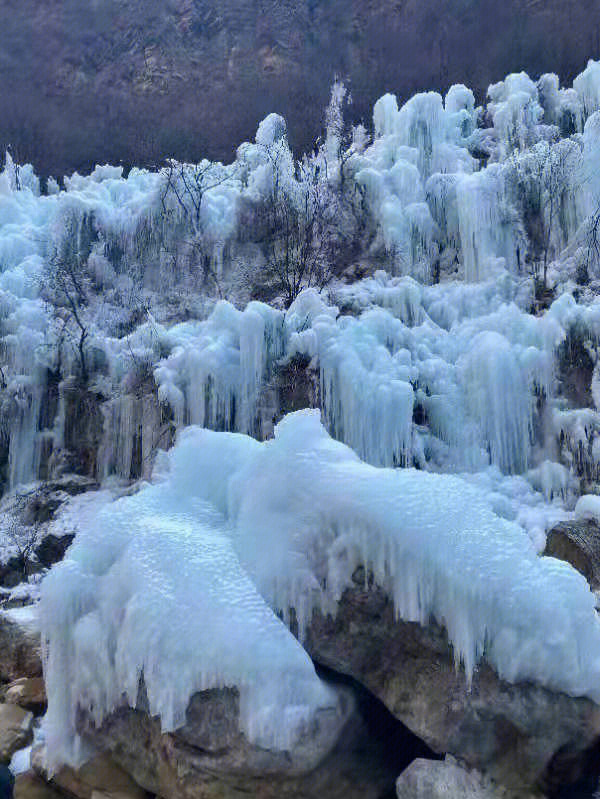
(578, 542)
(514, 733)
(280, 528)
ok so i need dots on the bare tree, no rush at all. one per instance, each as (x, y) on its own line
(183, 189)
(558, 175)
(593, 245)
(544, 177)
(300, 235)
(19, 533)
(311, 214)
(67, 282)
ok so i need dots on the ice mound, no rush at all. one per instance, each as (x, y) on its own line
(152, 587)
(180, 582)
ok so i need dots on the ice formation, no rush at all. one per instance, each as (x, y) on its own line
(452, 433)
(128, 312)
(270, 527)
(147, 592)
(473, 200)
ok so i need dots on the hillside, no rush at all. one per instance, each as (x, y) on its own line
(124, 80)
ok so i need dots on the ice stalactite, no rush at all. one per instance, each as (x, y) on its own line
(591, 159)
(515, 111)
(437, 203)
(587, 86)
(484, 236)
(429, 539)
(25, 440)
(500, 400)
(132, 433)
(214, 373)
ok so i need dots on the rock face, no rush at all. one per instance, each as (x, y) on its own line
(578, 543)
(85, 82)
(293, 386)
(99, 777)
(16, 730)
(446, 779)
(209, 758)
(20, 647)
(27, 692)
(523, 736)
(30, 786)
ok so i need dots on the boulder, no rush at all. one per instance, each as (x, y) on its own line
(16, 730)
(112, 795)
(209, 758)
(30, 786)
(522, 735)
(20, 645)
(52, 549)
(447, 779)
(99, 775)
(12, 572)
(578, 543)
(28, 693)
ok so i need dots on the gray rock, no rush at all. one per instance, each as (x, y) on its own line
(447, 779)
(293, 385)
(27, 692)
(16, 730)
(578, 543)
(30, 786)
(209, 758)
(52, 549)
(100, 776)
(521, 735)
(20, 645)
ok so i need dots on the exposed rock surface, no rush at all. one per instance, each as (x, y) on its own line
(28, 693)
(578, 543)
(52, 549)
(43, 501)
(14, 571)
(446, 779)
(293, 386)
(20, 646)
(16, 730)
(100, 776)
(521, 735)
(209, 757)
(30, 786)
(85, 82)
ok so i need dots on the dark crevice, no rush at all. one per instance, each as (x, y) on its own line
(572, 774)
(389, 744)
